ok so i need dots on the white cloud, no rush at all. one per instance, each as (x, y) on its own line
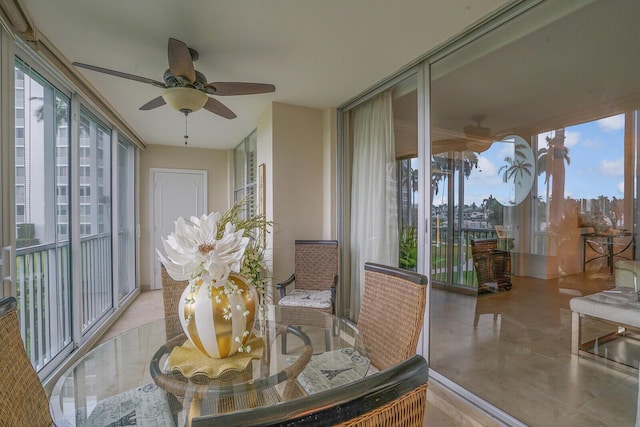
(486, 166)
(612, 123)
(612, 167)
(621, 187)
(571, 138)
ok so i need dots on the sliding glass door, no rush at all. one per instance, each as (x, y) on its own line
(95, 219)
(42, 257)
(62, 183)
(534, 137)
(126, 232)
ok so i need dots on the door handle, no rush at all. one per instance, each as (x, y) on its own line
(6, 263)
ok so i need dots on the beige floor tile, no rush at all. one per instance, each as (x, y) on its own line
(518, 357)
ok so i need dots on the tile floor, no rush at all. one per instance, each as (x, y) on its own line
(444, 408)
(518, 356)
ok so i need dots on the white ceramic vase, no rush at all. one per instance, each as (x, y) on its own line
(218, 319)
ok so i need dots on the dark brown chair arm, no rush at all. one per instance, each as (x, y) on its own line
(333, 294)
(282, 286)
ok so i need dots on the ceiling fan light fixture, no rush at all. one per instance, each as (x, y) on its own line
(185, 99)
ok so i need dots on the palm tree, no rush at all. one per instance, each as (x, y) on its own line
(515, 170)
(439, 163)
(62, 110)
(551, 161)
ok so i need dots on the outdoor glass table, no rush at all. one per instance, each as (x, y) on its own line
(604, 246)
(114, 382)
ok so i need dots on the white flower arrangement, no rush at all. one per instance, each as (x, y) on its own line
(205, 250)
(194, 250)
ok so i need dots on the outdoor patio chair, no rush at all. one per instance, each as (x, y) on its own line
(492, 265)
(23, 401)
(315, 277)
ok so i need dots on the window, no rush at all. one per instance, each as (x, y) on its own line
(407, 169)
(85, 229)
(19, 194)
(245, 173)
(492, 133)
(41, 213)
(125, 178)
(96, 218)
(43, 170)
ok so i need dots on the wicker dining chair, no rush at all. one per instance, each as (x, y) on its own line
(171, 292)
(392, 313)
(315, 277)
(23, 401)
(492, 265)
(396, 396)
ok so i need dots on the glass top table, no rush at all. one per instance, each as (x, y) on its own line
(129, 377)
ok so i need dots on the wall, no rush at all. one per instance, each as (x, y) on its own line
(298, 147)
(215, 162)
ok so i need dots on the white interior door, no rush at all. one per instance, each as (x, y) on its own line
(175, 193)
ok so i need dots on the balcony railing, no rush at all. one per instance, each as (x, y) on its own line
(43, 288)
(44, 296)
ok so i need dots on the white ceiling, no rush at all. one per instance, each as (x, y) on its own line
(318, 53)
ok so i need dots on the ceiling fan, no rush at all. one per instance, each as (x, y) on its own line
(186, 89)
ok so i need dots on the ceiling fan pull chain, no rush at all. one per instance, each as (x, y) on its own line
(186, 136)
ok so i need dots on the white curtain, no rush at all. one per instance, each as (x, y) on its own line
(374, 208)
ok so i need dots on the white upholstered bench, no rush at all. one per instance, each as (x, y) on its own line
(618, 306)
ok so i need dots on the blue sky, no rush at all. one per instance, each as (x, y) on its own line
(596, 150)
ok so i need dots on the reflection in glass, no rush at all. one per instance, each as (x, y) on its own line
(516, 172)
(571, 170)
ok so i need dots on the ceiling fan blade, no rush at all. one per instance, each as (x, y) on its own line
(180, 62)
(238, 88)
(217, 107)
(154, 103)
(121, 74)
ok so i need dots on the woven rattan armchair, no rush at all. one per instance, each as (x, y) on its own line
(492, 265)
(396, 396)
(315, 278)
(23, 401)
(392, 313)
(171, 292)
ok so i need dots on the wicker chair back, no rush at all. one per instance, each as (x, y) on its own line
(316, 264)
(171, 292)
(492, 265)
(392, 313)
